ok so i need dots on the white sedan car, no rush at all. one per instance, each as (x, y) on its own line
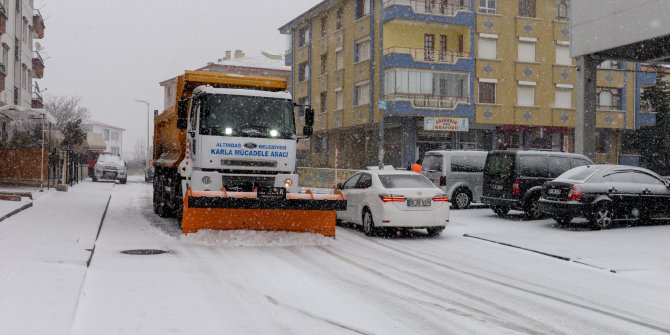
(394, 198)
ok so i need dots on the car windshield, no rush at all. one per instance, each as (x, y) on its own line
(110, 159)
(249, 116)
(405, 181)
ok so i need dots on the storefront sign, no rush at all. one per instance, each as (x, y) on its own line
(446, 123)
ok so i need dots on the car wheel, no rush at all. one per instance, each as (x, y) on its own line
(435, 231)
(460, 199)
(532, 208)
(368, 224)
(602, 217)
(123, 181)
(94, 179)
(563, 220)
(500, 210)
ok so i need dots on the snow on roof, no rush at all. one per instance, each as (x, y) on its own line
(21, 113)
(234, 91)
(104, 125)
(263, 61)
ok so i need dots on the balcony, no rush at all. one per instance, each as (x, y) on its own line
(3, 74)
(3, 20)
(38, 25)
(429, 101)
(428, 55)
(38, 65)
(37, 101)
(432, 7)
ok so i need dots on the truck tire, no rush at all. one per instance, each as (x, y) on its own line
(155, 196)
(162, 208)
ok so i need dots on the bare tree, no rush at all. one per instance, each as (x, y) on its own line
(66, 110)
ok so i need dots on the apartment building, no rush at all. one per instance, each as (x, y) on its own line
(526, 78)
(412, 59)
(112, 135)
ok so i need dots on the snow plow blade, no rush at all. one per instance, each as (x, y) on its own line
(298, 212)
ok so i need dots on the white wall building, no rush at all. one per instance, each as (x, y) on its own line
(112, 135)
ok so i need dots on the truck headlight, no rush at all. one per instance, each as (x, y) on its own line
(206, 180)
(288, 183)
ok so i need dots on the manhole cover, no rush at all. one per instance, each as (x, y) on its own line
(144, 252)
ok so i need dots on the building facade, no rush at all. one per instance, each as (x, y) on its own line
(448, 74)
(112, 135)
(20, 28)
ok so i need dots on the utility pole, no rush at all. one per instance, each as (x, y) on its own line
(146, 153)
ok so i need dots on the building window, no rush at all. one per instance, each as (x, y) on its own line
(362, 8)
(429, 47)
(303, 71)
(4, 131)
(324, 64)
(610, 65)
(563, 55)
(608, 98)
(24, 38)
(304, 36)
(115, 136)
(362, 51)
(324, 101)
(339, 100)
(563, 10)
(425, 83)
(487, 93)
(362, 93)
(338, 18)
(324, 26)
(24, 75)
(563, 98)
(487, 6)
(527, 8)
(116, 151)
(339, 58)
(106, 134)
(525, 95)
(487, 48)
(302, 102)
(526, 51)
(461, 44)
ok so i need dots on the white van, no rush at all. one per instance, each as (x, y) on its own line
(459, 173)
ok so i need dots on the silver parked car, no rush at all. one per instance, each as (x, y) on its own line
(459, 173)
(110, 167)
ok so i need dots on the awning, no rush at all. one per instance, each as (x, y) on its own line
(16, 113)
(95, 142)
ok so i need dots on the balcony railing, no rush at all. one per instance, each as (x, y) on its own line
(429, 101)
(38, 65)
(38, 24)
(434, 7)
(37, 101)
(429, 55)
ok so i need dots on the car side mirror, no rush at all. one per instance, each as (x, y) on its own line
(182, 112)
(339, 186)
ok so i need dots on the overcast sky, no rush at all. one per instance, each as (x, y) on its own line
(113, 52)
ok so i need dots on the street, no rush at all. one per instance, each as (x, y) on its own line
(603, 282)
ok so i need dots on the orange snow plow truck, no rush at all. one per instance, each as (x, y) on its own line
(225, 158)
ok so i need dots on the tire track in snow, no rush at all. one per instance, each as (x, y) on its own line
(507, 325)
(661, 328)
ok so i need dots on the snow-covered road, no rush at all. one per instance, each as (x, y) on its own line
(270, 283)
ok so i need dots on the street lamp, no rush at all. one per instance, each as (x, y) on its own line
(147, 152)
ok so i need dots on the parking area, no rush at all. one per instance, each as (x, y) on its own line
(639, 252)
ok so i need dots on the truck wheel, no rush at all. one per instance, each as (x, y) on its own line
(461, 199)
(155, 196)
(500, 210)
(178, 203)
(162, 209)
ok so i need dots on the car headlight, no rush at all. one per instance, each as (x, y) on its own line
(206, 180)
(288, 183)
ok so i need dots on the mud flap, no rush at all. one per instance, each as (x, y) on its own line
(303, 212)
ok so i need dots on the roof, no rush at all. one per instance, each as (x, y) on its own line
(257, 62)
(104, 125)
(233, 91)
(311, 13)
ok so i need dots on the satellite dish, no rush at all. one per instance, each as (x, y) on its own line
(38, 46)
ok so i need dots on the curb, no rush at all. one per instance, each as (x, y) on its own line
(563, 258)
(16, 211)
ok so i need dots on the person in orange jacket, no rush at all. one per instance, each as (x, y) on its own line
(416, 167)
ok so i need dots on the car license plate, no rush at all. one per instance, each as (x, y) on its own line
(272, 193)
(554, 191)
(498, 187)
(418, 202)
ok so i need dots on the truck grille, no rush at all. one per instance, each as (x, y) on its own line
(241, 162)
(246, 183)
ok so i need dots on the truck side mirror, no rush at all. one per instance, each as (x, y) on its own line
(182, 114)
(339, 186)
(309, 116)
(307, 131)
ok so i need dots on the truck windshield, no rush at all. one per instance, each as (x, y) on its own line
(237, 115)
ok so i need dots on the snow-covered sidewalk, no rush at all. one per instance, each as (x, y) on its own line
(45, 251)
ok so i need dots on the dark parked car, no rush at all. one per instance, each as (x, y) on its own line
(606, 193)
(513, 179)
